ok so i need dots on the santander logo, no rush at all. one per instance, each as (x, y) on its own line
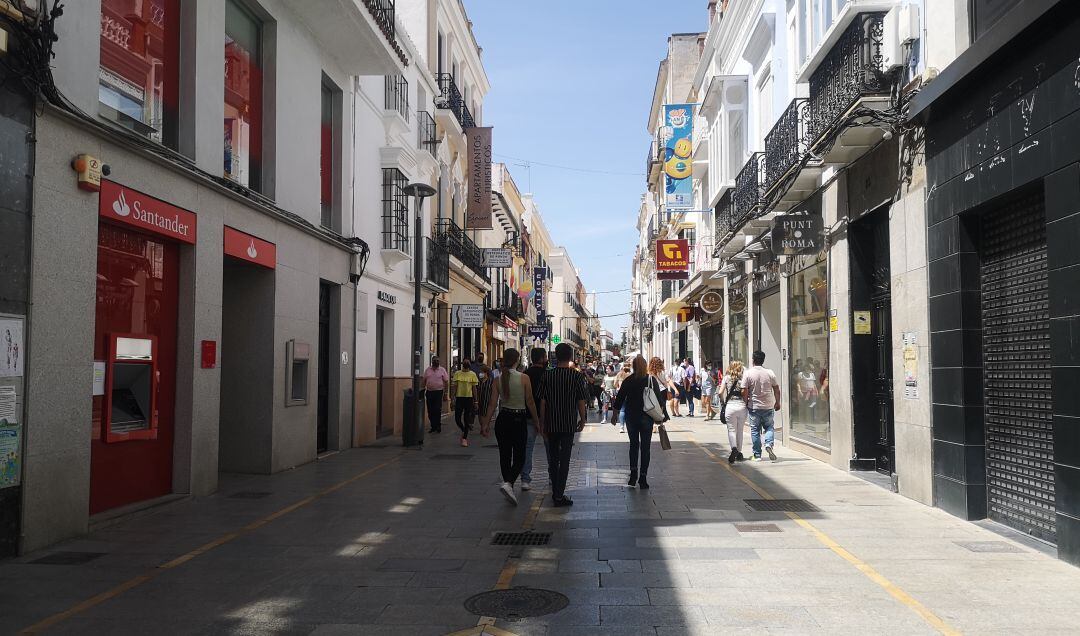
(251, 251)
(120, 205)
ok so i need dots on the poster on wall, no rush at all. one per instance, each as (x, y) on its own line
(478, 202)
(10, 437)
(678, 131)
(12, 349)
(911, 365)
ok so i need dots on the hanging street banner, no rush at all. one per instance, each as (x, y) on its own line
(496, 258)
(678, 132)
(538, 333)
(478, 202)
(539, 276)
(673, 255)
(795, 234)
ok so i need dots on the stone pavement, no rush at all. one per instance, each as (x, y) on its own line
(385, 540)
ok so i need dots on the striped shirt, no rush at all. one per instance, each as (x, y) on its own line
(562, 388)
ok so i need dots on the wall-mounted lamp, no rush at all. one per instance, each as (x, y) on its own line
(361, 252)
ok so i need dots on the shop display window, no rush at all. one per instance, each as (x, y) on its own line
(808, 364)
(740, 336)
(243, 95)
(138, 76)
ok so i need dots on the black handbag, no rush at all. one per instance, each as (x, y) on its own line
(723, 407)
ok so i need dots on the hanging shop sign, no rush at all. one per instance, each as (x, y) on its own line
(538, 333)
(467, 316)
(249, 248)
(673, 255)
(509, 323)
(672, 275)
(686, 314)
(794, 234)
(539, 276)
(737, 298)
(678, 164)
(121, 204)
(712, 302)
(496, 258)
(478, 203)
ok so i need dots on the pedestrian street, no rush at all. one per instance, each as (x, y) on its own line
(386, 540)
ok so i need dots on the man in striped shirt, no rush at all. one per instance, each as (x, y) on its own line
(563, 395)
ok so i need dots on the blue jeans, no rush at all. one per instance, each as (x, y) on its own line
(526, 470)
(761, 420)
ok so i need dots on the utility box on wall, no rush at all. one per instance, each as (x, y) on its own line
(297, 370)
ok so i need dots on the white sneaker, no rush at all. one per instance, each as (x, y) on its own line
(526, 485)
(622, 428)
(508, 492)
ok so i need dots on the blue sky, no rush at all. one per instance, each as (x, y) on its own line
(571, 83)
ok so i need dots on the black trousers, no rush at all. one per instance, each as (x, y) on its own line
(639, 428)
(559, 447)
(463, 414)
(512, 434)
(434, 409)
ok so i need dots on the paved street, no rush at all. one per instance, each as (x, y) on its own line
(390, 541)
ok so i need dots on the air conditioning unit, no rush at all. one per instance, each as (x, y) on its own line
(899, 29)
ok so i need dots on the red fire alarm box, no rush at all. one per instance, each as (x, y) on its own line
(209, 354)
(131, 376)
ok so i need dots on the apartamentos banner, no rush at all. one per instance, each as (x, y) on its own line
(478, 207)
(678, 163)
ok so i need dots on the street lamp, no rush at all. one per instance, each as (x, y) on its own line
(413, 430)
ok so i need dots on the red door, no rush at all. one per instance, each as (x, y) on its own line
(137, 287)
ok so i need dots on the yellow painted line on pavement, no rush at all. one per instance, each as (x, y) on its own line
(895, 591)
(136, 581)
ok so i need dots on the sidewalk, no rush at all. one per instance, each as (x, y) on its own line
(386, 540)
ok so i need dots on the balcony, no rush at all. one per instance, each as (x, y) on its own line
(851, 74)
(785, 143)
(722, 219)
(396, 96)
(436, 267)
(461, 247)
(576, 306)
(426, 135)
(502, 301)
(655, 161)
(748, 196)
(360, 34)
(450, 99)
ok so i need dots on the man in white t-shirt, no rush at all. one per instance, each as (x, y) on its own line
(678, 378)
(762, 403)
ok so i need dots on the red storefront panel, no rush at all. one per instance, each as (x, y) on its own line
(250, 248)
(121, 204)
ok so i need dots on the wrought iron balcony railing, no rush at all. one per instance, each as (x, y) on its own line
(785, 143)
(503, 299)
(396, 95)
(437, 273)
(722, 217)
(852, 69)
(383, 12)
(460, 246)
(395, 211)
(747, 197)
(449, 97)
(426, 138)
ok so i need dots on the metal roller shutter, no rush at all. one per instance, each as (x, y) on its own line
(1016, 368)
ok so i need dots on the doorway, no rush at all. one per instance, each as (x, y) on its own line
(383, 385)
(871, 345)
(322, 434)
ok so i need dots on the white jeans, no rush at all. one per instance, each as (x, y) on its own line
(735, 412)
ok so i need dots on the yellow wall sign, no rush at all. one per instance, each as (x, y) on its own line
(862, 323)
(834, 323)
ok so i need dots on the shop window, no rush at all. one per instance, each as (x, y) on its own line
(808, 384)
(329, 156)
(985, 13)
(243, 95)
(139, 74)
(739, 330)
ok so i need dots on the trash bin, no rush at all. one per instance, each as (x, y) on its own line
(412, 427)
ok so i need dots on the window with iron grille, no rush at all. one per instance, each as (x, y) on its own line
(397, 95)
(395, 211)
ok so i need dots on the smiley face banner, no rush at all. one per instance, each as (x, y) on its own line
(678, 150)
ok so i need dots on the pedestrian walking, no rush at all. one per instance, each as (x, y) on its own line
(675, 378)
(608, 391)
(639, 422)
(733, 408)
(464, 387)
(691, 385)
(763, 393)
(535, 372)
(563, 394)
(619, 379)
(513, 394)
(708, 390)
(483, 397)
(435, 383)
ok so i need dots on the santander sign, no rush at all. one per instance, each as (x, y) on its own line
(123, 205)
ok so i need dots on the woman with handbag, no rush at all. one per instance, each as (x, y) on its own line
(733, 408)
(644, 397)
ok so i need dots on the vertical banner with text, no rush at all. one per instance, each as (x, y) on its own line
(539, 276)
(478, 208)
(678, 160)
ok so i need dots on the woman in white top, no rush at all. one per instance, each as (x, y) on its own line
(732, 391)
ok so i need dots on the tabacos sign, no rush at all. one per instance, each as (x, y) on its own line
(123, 205)
(672, 255)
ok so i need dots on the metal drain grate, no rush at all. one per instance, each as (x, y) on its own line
(781, 505)
(516, 603)
(250, 494)
(452, 456)
(521, 538)
(757, 527)
(68, 558)
(988, 546)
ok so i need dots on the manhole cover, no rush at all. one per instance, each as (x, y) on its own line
(68, 558)
(521, 538)
(988, 546)
(250, 494)
(781, 505)
(519, 602)
(452, 456)
(757, 527)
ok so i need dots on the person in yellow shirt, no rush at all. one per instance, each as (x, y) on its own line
(463, 385)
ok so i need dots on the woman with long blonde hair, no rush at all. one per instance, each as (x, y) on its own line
(732, 391)
(639, 424)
